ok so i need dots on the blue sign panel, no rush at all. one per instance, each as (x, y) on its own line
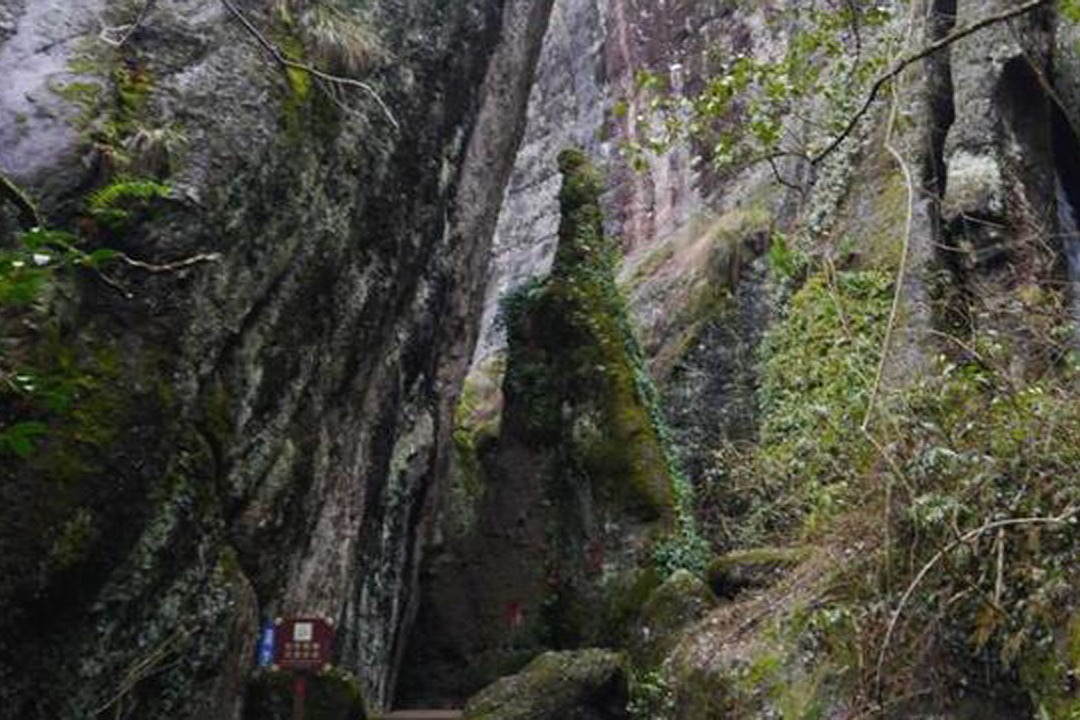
(266, 644)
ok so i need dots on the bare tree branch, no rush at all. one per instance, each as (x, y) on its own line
(169, 267)
(1061, 519)
(905, 252)
(124, 32)
(905, 62)
(285, 62)
(778, 176)
(150, 268)
(28, 213)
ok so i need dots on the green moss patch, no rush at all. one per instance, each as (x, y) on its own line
(574, 363)
(734, 572)
(818, 366)
(961, 498)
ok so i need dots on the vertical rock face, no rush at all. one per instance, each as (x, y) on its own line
(245, 414)
(267, 412)
(591, 54)
(566, 107)
(40, 40)
(683, 257)
(685, 232)
(1000, 187)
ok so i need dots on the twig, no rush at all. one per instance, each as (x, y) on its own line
(834, 295)
(909, 60)
(1064, 517)
(126, 31)
(28, 213)
(149, 267)
(770, 156)
(285, 62)
(891, 462)
(782, 180)
(898, 472)
(140, 670)
(901, 272)
(114, 284)
(999, 581)
(169, 267)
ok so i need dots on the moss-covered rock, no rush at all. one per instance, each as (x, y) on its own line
(627, 594)
(331, 695)
(551, 521)
(580, 685)
(575, 368)
(681, 600)
(1052, 678)
(699, 691)
(283, 338)
(734, 572)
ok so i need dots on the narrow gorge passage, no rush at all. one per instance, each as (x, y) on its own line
(539, 359)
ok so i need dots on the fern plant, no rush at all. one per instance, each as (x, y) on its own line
(114, 204)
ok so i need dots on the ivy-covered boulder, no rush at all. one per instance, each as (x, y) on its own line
(578, 685)
(575, 496)
(681, 600)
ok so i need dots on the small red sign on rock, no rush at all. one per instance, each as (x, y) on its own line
(303, 643)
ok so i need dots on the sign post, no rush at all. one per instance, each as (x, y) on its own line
(301, 645)
(299, 695)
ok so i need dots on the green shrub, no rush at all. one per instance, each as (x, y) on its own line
(818, 364)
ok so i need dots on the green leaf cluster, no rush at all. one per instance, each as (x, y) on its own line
(738, 116)
(818, 365)
(29, 268)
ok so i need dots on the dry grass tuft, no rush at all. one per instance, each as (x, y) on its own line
(336, 40)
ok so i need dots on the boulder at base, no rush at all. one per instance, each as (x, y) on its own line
(576, 685)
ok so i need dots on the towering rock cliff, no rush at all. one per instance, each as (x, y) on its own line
(684, 262)
(569, 493)
(260, 390)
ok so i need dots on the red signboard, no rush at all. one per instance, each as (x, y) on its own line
(303, 643)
